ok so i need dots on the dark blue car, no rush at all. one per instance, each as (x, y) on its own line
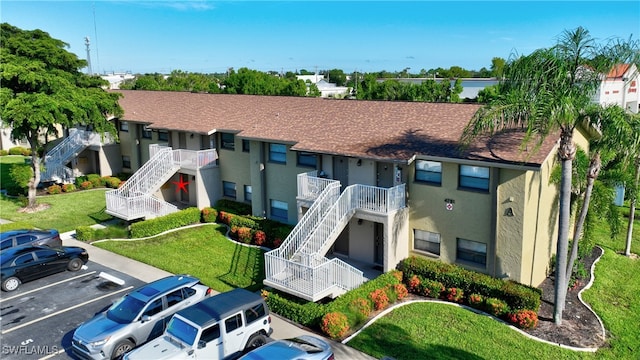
(25, 263)
(13, 238)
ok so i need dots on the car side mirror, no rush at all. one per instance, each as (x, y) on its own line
(202, 344)
(145, 318)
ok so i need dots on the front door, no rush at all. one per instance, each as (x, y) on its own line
(378, 245)
(341, 171)
(384, 172)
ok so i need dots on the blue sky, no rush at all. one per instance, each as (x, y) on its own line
(367, 36)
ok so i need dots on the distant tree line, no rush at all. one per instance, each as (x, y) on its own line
(381, 85)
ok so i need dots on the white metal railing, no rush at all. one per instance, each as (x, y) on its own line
(55, 160)
(134, 198)
(310, 186)
(298, 264)
(135, 207)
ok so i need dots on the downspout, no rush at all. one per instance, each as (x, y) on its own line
(263, 180)
(493, 234)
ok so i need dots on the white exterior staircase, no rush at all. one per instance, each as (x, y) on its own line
(56, 159)
(299, 266)
(135, 199)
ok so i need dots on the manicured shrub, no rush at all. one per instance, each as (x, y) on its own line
(397, 274)
(241, 221)
(79, 180)
(244, 234)
(20, 175)
(361, 306)
(379, 298)
(54, 189)
(334, 325)
(453, 295)
(277, 242)
(158, 225)
(302, 312)
(4, 152)
(84, 233)
(524, 319)
(401, 291)
(68, 188)
(234, 207)
(259, 237)
(86, 185)
(495, 307)
(209, 215)
(430, 288)
(414, 284)
(95, 179)
(224, 217)
(476, 301)
(111, 182)
(20, 150)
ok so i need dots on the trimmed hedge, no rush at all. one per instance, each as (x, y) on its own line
(517, 296)
(297, 310)
(161, 224)
(85, 233)
(233, 207)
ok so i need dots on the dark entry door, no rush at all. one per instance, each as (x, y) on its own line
(378, 246)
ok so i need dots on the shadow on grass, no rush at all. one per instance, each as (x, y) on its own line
(101, 216)
(402, 346)
(246, 263)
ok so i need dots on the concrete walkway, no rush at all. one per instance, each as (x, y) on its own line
(282, 328)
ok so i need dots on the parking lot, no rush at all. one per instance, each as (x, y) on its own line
(38, 319)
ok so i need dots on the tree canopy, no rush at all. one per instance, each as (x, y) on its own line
(43, 89)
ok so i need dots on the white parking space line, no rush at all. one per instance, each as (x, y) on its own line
(47, 286)
(62, 351)
(63, 311)
(111, 278)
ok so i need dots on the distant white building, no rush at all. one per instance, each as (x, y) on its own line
(115, 79)
(620, 86)
(326, 88)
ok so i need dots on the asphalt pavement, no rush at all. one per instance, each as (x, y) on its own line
(282, 328)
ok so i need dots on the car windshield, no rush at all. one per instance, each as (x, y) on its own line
(125, 310)
(182, 330)
(306, 346)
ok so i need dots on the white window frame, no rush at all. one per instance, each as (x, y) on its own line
(427, 238)
(229, 189)
(473, 252)
(277, 156)
(278, 206)
(429, 172)
(474, 177)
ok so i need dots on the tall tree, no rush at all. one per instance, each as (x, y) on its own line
(546, 93)
(43, 88)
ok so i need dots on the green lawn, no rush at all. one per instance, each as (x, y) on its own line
(66, 211)
(5, 166)
(203, 252)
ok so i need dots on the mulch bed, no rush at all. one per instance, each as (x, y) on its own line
(580, 327)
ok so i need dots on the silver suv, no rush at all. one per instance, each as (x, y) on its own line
(220, 327)
(137, 317)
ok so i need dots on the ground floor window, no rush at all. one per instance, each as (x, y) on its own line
(471, 252)
(279, 210)
(247, 193)
(126, 162)
(426, 241)
(229, 189)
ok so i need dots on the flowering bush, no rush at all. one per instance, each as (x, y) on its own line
(431, 288)
(335, 325)
(86, 185)
(277, 242)
(453, 294)
(379, 298)
(495, 306)
(264, 293)
(54, 189)
(68, 187)
(209, 214)
(244, 234)
(476, 300)
(401, 291)
(361, 306)
(414, 284)
(259, 237)
(224, 217)
(525, 319)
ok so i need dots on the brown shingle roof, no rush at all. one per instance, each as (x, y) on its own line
(370, 129)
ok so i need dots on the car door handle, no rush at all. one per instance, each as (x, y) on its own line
(240, 333)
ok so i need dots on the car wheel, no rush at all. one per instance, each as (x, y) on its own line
(75, 264)
(255, 341)
(122, 348)
(10, 284)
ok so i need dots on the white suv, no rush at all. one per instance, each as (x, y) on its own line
(221, 326)
(136, 318)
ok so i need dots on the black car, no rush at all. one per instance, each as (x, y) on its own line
(12, 238)
(25, 263)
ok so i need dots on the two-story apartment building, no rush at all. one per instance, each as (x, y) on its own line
(370, 181)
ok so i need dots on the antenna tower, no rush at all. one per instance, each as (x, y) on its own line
(86, 42)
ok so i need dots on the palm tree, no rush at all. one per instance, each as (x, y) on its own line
(620, 142)
(547, 93)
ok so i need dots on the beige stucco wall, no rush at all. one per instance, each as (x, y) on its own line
(234, 167)
(470, 219)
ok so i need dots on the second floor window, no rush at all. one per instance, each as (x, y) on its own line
(146, 132)
(247, 193)
(124, 126)
(246, 145)
(163, 135)
(474, 177)
(307, 159)
(279, 210)
(227, 141)
(278, 153)
(429, 172)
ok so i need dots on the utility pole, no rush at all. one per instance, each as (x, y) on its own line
(86, 42)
